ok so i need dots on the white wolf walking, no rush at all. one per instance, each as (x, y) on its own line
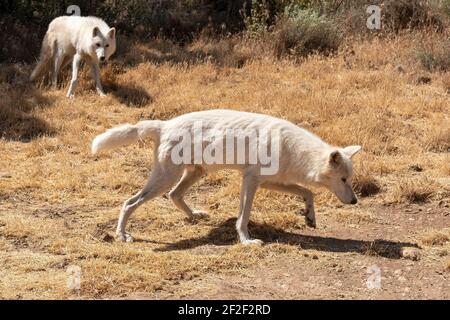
(303, 159)
(73, 38)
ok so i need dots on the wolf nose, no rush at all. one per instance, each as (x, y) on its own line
(102, 59)
(354, 201)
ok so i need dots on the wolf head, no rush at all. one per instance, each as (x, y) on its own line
(103, 45)
(336, 173)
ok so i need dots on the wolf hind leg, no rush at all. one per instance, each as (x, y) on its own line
(66, 61)
(45, 58)
(161, 179)
(58, 61)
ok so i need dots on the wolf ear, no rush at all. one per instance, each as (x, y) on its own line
(112, 33)
(95, 32)
(351, 150)
(335, 157)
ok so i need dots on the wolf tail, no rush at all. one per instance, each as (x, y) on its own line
(126, 134)
(45, 58)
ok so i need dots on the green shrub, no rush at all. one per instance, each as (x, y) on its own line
(435, 58)
(300, 32)
(412, 14)
(446, 7)
(257, 20)
(426, 58)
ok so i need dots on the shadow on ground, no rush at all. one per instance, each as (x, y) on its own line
(160, 51)
(131, 96)
(18, 102)
(225, 234)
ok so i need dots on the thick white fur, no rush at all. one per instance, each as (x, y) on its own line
(73, 39)
(305, 160)
(124, 135)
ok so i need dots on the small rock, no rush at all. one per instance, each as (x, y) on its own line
(410, 253)
(315, 257)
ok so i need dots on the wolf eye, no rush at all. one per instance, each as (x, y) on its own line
(344, 180)
(98, 45)
(107, 45)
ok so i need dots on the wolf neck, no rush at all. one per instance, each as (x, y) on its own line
(309, 156)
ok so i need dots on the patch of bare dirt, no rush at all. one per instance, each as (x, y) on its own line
(332, 262)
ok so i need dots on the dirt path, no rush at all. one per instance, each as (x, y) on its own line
(334, 262)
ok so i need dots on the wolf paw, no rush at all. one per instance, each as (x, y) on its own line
(310, 222)
(253, 242)
(124, 237)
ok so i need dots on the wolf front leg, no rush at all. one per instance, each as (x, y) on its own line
(249, 186)
(190, 176)
(73, 83)
(307, 195)
(96, 75)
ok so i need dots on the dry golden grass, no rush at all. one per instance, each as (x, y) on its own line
(414, 190)
(59, 204)
(433, 237)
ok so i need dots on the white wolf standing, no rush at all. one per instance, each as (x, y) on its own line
(304, 159)
(73, 38)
